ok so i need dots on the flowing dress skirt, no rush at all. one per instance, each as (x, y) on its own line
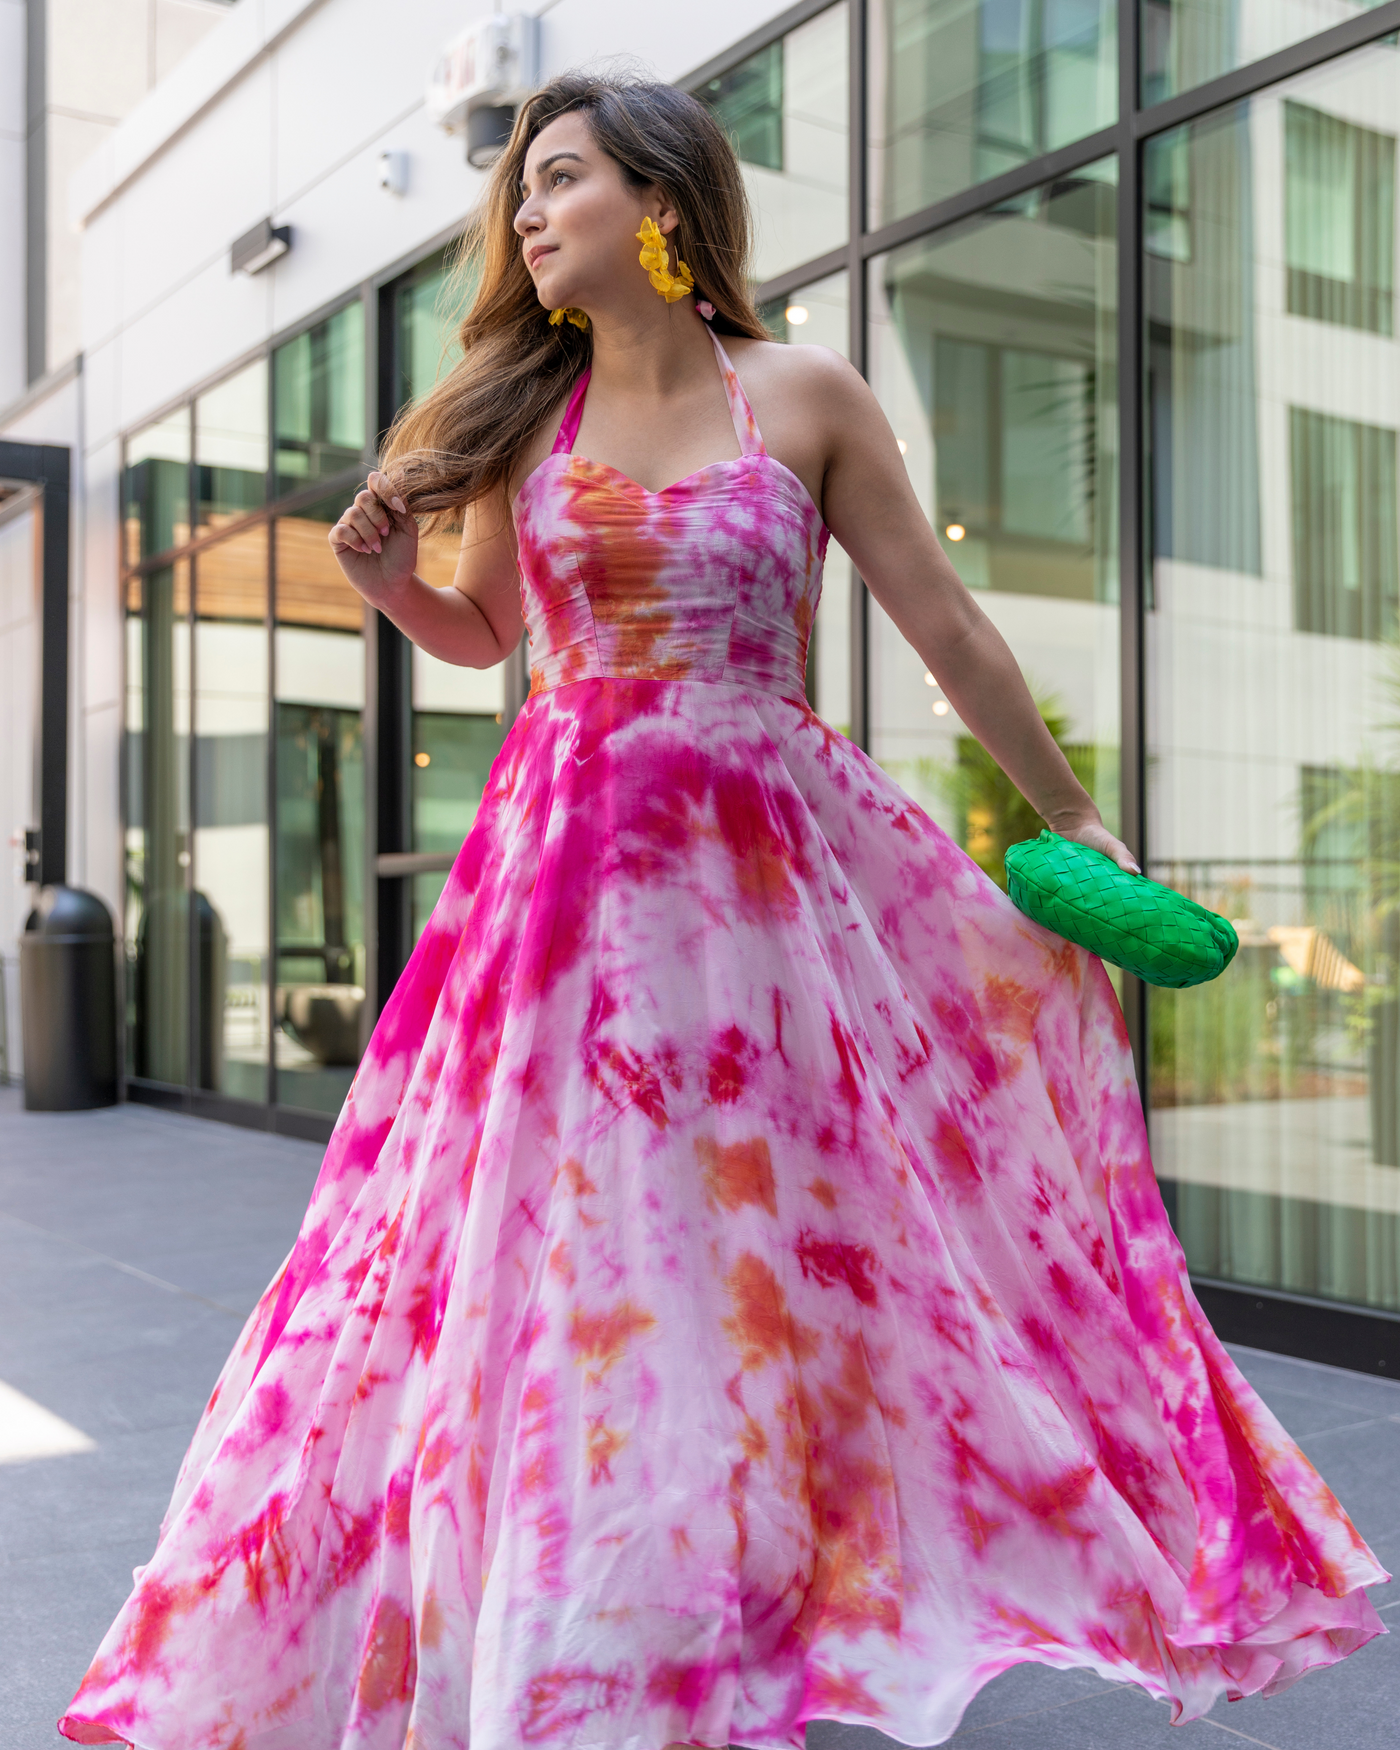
(736, 1293)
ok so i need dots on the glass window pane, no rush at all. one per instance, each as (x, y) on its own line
(1339, 220)
(231, 875)
(962, 90)
(318, 387)
(458, 729)
(993, 352)
(156, 487)
(785, 110)
(819, 315)
(1274, 399)
(456, 737)
(230, 447)
(1186, 42)
(319, 661)
(429, 304)
(157, 925)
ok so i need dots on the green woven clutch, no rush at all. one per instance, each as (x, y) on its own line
(1137, 924)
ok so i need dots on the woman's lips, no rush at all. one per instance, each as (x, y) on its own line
(533, 257)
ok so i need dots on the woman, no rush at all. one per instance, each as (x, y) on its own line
(737, 1292)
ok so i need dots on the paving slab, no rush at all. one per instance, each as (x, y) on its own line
(133, 1244)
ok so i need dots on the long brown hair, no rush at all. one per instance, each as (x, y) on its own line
(459, 442)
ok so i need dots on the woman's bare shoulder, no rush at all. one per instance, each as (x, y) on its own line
(801, 389)
(784, 362)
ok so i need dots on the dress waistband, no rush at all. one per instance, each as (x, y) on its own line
(578, 639)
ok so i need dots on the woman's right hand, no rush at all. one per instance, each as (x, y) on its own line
(376, 542)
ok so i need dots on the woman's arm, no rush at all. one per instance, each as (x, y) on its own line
(474, 624)
(870, 508)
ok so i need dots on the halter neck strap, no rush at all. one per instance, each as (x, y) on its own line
(745, 425)
(573, 413)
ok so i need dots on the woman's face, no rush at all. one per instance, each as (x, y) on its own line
(578, 219)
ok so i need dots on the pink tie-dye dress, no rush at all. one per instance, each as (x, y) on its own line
(737, 1292)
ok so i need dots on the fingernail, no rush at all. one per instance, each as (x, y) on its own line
(376, 546)
(398, 504)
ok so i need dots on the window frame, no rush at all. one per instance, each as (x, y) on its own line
(1356, 1337)
(1353, 1336)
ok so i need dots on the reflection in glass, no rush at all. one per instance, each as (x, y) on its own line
(232, 1023)
(157, 920)
(156, 488)
(230, 447)
(785, 110)
(1339, 220)
(993, 352)
(457, 733)
(819, 315)
(318, 393)
(1274, 683)
(429, 302)
(1186, 42)
(319, 997)
(962, 90)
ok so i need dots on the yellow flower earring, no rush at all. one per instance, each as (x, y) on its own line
(577, 317)
(655, 260)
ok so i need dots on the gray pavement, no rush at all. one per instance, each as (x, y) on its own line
(134, 1242)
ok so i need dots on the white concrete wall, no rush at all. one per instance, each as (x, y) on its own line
(12, 370)
(103, 57)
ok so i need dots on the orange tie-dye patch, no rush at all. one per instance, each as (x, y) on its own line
(738, 1173)
(603, 1337)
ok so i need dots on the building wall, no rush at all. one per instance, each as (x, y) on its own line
(90, 63)
(12, 141)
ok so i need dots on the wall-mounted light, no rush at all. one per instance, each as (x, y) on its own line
(796, 314)
(260, 247)
(955, 531)
(393, 172)
(422, 759)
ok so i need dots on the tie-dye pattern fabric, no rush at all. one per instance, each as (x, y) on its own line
(736, 1292)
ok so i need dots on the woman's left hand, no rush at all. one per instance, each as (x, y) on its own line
(1097, 837)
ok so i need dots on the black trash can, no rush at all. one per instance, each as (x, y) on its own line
(68, 1003)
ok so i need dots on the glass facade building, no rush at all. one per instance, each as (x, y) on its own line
(1122, 274)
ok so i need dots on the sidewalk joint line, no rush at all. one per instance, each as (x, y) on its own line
(117, 1264)
(1344, 1428)
(1235, 1732)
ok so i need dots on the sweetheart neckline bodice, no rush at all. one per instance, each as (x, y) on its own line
(714, 578)
(685, 479)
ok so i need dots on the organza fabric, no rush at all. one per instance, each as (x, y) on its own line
(736, 1292)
